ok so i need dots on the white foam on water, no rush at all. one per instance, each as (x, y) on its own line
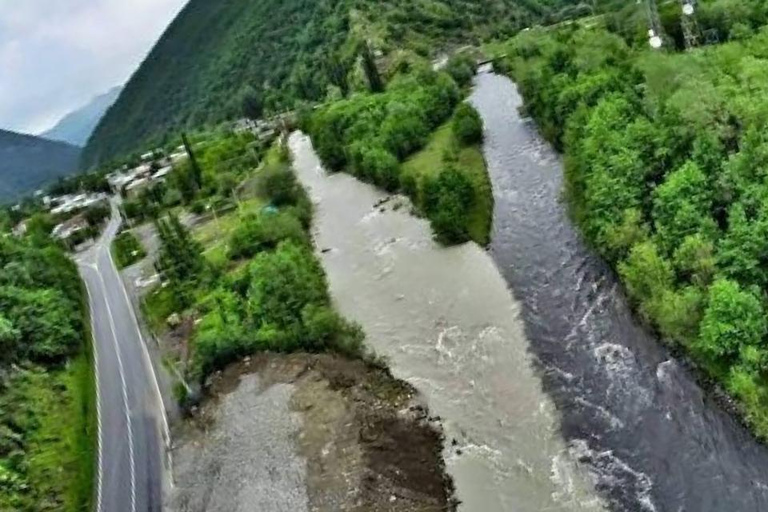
(606, 467)
(664, 371)
(613, 420)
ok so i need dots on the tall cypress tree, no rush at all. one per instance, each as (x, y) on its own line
(337, 72)
(197, 173)
(375, 83)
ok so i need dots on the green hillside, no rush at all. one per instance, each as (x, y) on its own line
(215, 54)
(28, 163)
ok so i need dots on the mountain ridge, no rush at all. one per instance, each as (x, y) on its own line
(76, 127)
(29, 162)
(214, 55)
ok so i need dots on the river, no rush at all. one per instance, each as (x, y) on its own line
(551, 395)
(447, 323)
(652, 439)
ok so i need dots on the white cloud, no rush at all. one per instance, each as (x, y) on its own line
(55, 56)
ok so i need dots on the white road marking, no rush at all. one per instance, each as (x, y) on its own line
(124, 387)
(100, 468)
(148, 362)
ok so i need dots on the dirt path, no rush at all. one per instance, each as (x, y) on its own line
(309, 432)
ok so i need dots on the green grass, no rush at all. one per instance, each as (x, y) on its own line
(56, 408)
(214, 235)
(127, 250)
(430, 161)
(157, 306)
(58, 412)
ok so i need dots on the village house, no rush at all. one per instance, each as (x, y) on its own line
(71, 202)
(136, 186)
(69, 227)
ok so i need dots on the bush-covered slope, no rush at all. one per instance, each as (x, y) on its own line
(665, 172)
(28, 162)
(215, 54)
(47, 408)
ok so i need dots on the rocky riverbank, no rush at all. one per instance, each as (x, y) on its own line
(309, 432)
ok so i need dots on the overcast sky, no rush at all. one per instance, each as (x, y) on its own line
(55, 55)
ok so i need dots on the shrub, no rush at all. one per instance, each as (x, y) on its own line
(381, 167)
(283, 283)
(404, 130)
(462, 68)
(264, 231)
(734, 321)
(279, 185)
(198, 207)
(127, 249)
(48, 325)
(467, 125)
(95, 215)
(447, 200)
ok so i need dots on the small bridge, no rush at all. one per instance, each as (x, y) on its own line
(491, 60)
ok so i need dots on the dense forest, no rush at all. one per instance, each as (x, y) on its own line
(371, 134)
(217, 57)
(28, 163)
(47, 414)
(665, 155)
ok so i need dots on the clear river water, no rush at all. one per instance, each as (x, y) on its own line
(552, 397)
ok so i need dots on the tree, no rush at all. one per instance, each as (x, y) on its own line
(9, 338)
(621, 237)
(278, 184)
(375, 82)
(96, 214)
(447, 200)
(743, 251)
(283, 283)
(196, 173)
(695, 261)
(180, 259)
(734, 320)
(251, 103)
(337, 72)
(682, 206)
(467, 125)
(461, 67)
(647, 276)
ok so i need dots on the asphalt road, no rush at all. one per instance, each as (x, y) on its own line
(131, 461)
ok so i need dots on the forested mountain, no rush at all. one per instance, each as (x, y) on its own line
(28, 162)
(272, 53)
(77, 126)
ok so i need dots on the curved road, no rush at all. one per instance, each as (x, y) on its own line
(131, 420)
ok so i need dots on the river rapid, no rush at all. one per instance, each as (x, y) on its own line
(652, 439)
(447, 323)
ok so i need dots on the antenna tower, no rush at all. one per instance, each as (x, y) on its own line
(654, 25)
(688, 21)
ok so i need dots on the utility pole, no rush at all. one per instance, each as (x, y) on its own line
(690, 27)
